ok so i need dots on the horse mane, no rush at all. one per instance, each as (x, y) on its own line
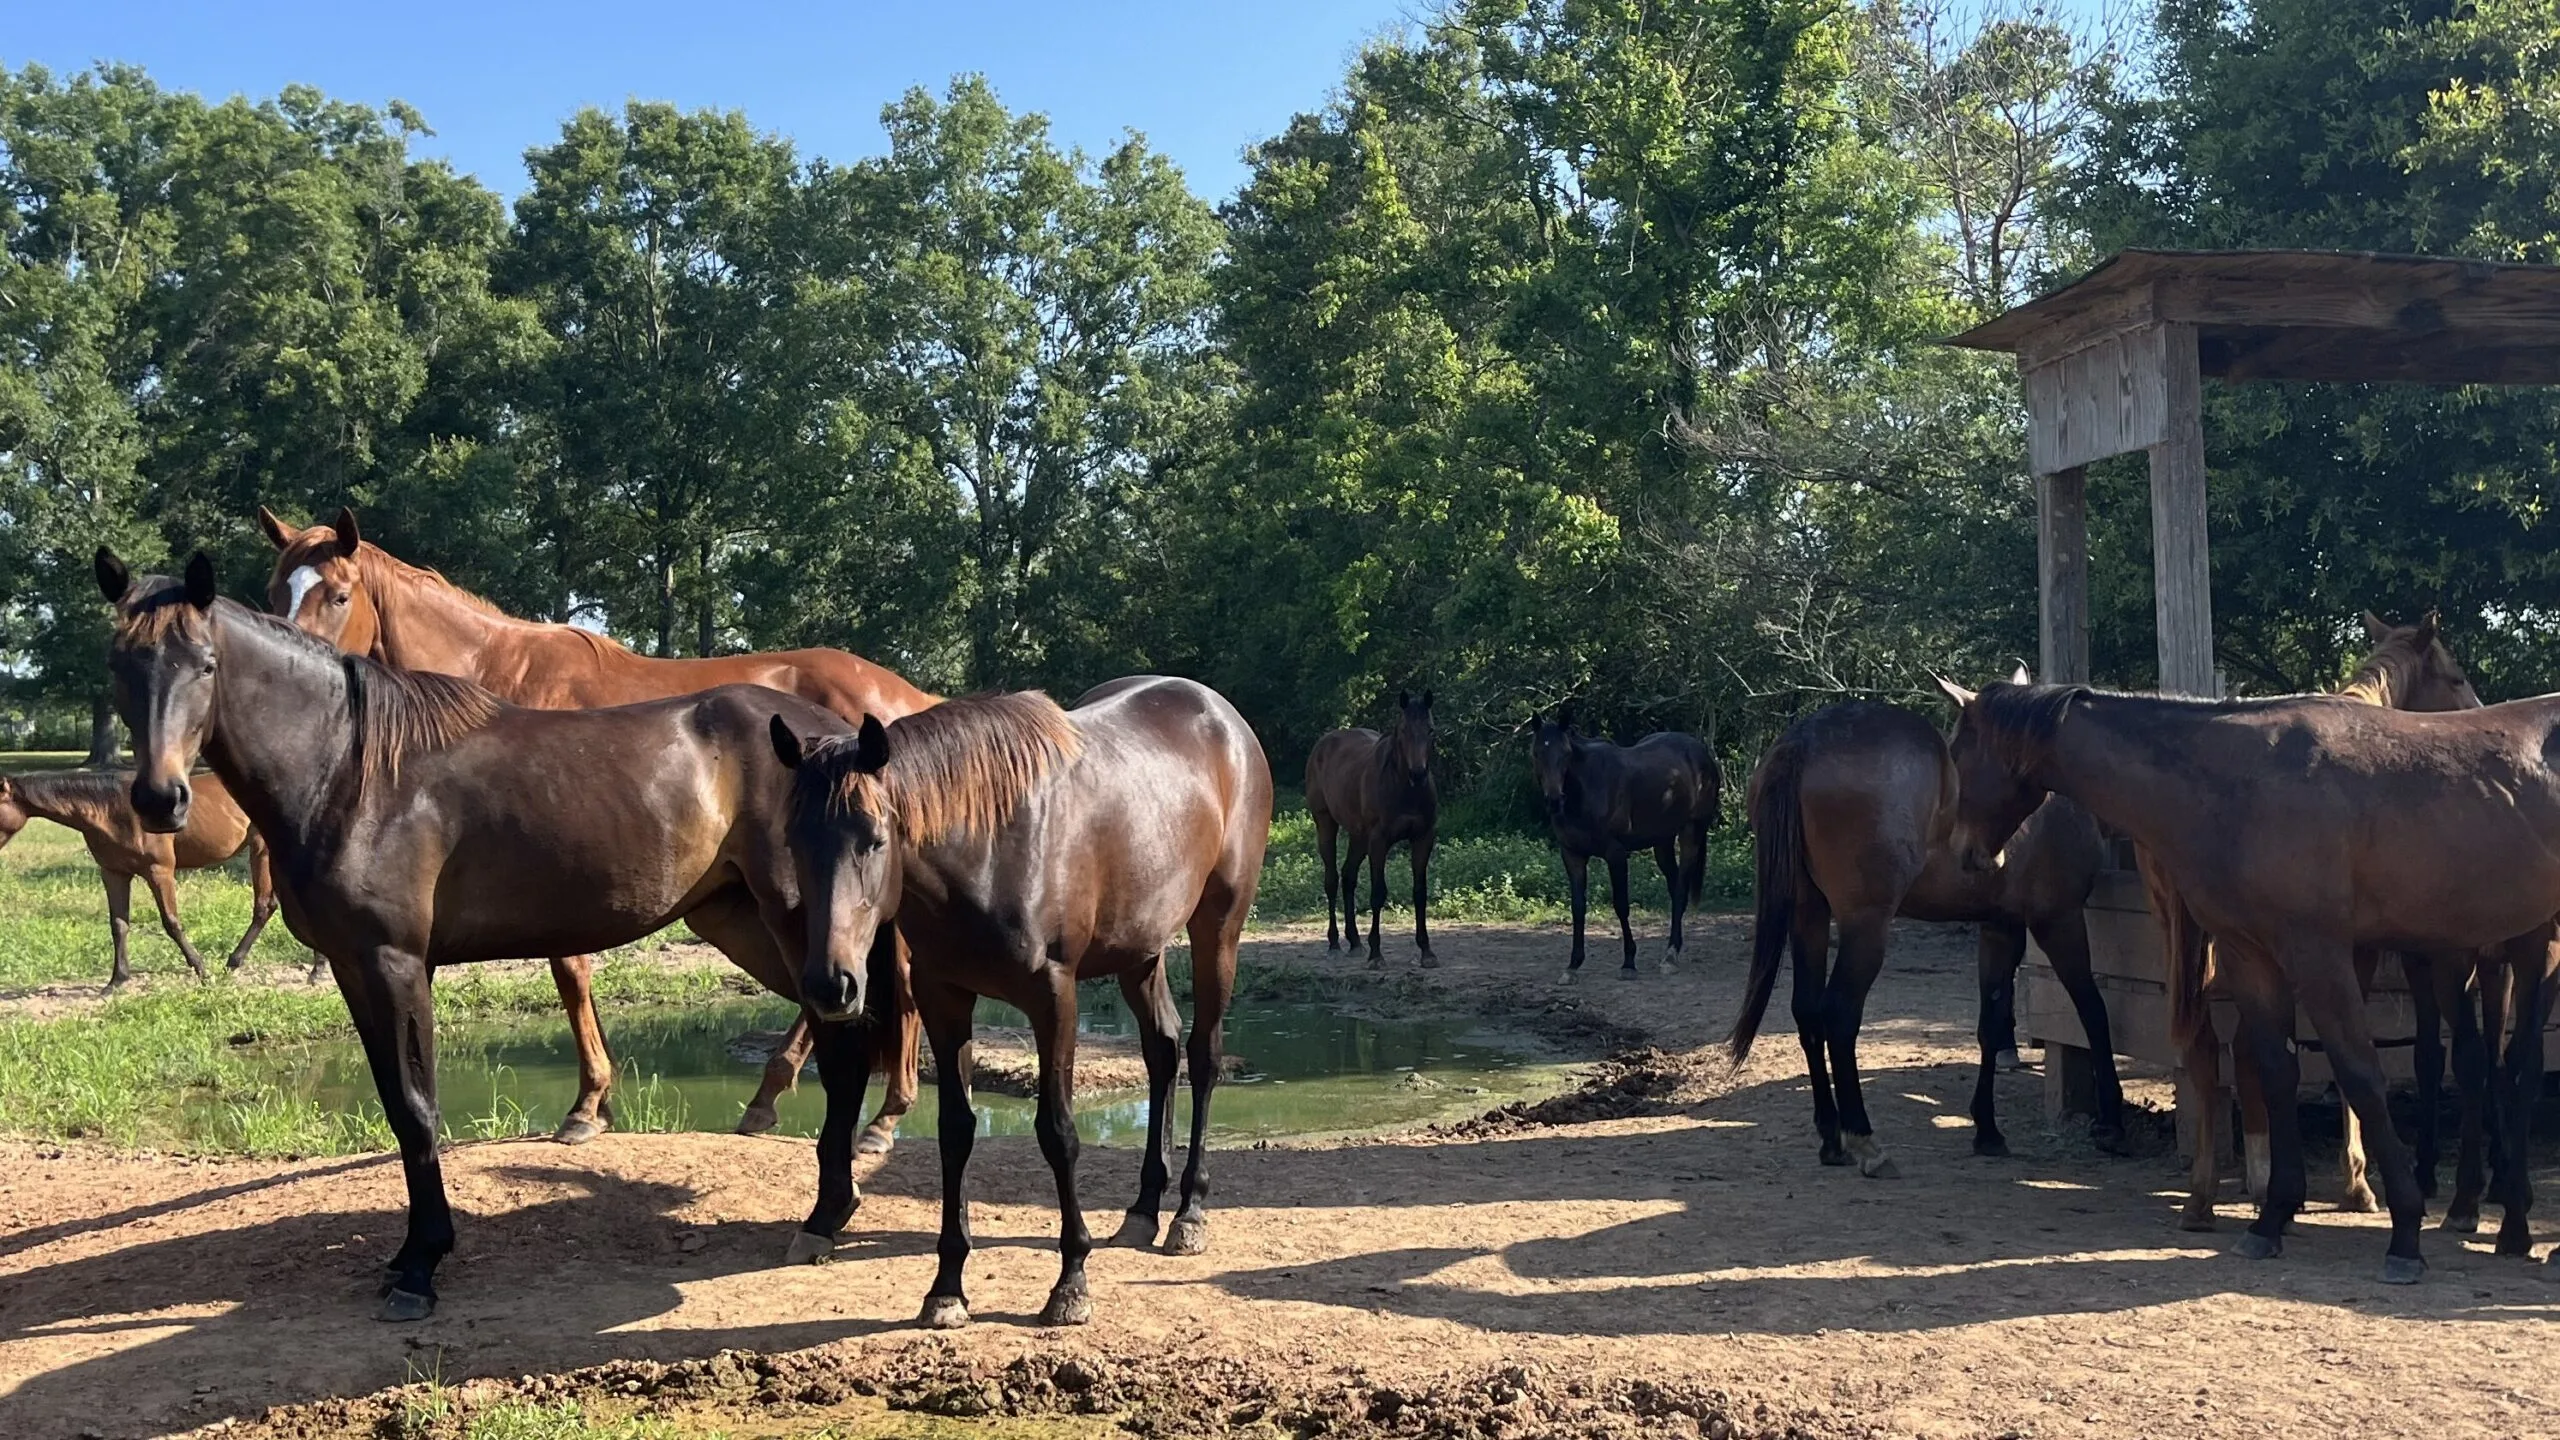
(385, 571)
(2386, 676)
(2019, 722)
(962, 767)
(400, 712)
(104, 790)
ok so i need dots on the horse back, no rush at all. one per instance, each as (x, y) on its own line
(1336, 769)
(1666, 782)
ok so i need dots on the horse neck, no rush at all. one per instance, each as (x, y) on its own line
(421, 624)
(2105, 757)
(2386, 678)
(77, 806)
(283, 738)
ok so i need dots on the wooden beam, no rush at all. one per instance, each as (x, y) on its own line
(2062, 576)
(2103, 399)
(2181, 569)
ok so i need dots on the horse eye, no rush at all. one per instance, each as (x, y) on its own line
(341, 599)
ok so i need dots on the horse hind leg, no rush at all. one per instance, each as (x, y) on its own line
(1150, 997)
(948, 1015)
(164, 897)
(1053, 1028)
(1214, 933)
(1666, 857)
(119, 924)
(1809, 947)
(2336, 1006)
(1862, 946)
(1327, 834)
(2355, 1191)
(573, 976)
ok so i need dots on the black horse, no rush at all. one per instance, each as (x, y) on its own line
(1377, 790)
(1662, 793)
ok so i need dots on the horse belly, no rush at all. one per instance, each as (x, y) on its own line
(558, 888)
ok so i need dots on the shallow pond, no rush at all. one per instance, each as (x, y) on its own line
(1309, 1069)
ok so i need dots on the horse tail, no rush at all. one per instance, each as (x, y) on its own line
(2190, 957)
(1778, 867)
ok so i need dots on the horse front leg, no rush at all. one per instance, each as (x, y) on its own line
(574, 977)
(119, 924)
(2529, 965)
(2427, 1059)
(2355, 1192)
(164, 897)
(392, 1003)
(898, 1087)
(1419, 852)
(844, 1071)
(2472, 1080)
(1577, 885)
(949, 1015)
(2266, 1027)
(262, 901)
(2066, 945)
(1618, 903)
(1998, 946)
(1379, 845)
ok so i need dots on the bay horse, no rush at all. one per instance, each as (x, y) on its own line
(1020, 848)
(1378, 788)
(1664, 792)
(416, 821)
(1851, 811)
(2294, 831)
(2409, 668)
(97, 804)
(333, 583)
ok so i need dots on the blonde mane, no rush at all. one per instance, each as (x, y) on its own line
(963, 767)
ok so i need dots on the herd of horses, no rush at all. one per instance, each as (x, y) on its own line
(422, 780)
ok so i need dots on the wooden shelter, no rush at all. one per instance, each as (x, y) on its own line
(2114, 363)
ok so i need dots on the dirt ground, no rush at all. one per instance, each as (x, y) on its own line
(1686, 1267)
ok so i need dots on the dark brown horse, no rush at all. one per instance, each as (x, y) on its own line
(2295, 831)
(1662, 793)
(1378, 788)
(1020, 848)
(2408, 669)
(1850, 813)
(417, 821)
(98, 804)
(334, 584)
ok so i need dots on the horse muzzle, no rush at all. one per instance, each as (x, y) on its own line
(831, 994)
(163, 809)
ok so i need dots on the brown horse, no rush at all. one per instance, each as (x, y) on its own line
(2408, 669)
(417, 821)
(2295, 831)
(334, 584)
(1021, 848)
(1850, 811)
(96, 803)
(1664, 792)
(1379, 788)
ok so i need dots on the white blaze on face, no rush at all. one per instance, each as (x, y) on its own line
(299, 584)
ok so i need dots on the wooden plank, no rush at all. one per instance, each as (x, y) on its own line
(2062, 576)
(2100, 400)
(2446, 301)
(2181, 571)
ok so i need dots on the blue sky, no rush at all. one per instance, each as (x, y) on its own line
(1200, 78)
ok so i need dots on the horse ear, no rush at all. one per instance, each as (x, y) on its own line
(2427, 629)
(786, 744)
(1564, 717)
(113, 578)
(1426, 699)
(2020, 676)
(201, 588)
(871, 747)
(1955, 692)
(279, 534)
(2374, 629)
(1404, 699)
(350, 539)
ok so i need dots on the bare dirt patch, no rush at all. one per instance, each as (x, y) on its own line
(1680, 1266)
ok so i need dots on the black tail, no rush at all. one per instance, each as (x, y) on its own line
(1777, 842)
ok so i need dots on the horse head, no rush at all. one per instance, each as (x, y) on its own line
(318, 584)
(846, 849)
(2001, 733)
(1552, 752)
(2424, 674)
(13, 811)
(165, 670)
(1411, 742)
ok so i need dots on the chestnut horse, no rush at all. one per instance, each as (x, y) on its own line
(97, 803)
(1850, 814)
(2295, 831)
(334, 584)
(416, 821)
(1020, 848)
(1378, 788)
(2409, 669)
(1663, 793)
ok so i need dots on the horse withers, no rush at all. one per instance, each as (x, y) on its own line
(1020, 848)
(1851, 811)
(1662, 793)
(415, 821)
(2267, 817)
(332, 582)
(99, 805)
(1375, 790)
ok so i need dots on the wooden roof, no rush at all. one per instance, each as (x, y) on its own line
(2307, 315)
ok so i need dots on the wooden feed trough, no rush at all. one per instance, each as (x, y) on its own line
(2115, 363)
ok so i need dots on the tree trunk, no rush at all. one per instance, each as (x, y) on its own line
(103, 734)
(666, 604)
(703, 624)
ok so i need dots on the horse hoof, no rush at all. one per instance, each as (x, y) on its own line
(1629, 972)
(1567, 978)
(1377, 960)
(2008, 1061)
(1189, 1236)
(576, 1130)
(876, 1142)
(1430, 961)
(2402, 1269)
(808, 1249)
(1880, 1168)
(2109, 1139)
(2519, 1245)
(757, 1120)
(2461, 1222)
(1991, 1147)
(1671, 963)
(944, 1312)
(1067, 1307)
(2254, 1246)
(2197, 1220)
(2360, 1202)
(1835, 1157)
(1137, 1232)
(399, 1307)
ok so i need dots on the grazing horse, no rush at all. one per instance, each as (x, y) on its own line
(1662, 792)
(334, 584)
(2295, 831)
(416, 821)
(2409, 669)
(96, 803)
(1379, 788)
(1850, 813)
(1020, 848)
